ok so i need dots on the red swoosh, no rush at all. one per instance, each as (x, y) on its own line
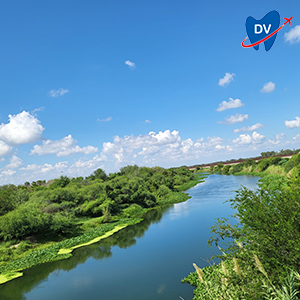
(264, 39)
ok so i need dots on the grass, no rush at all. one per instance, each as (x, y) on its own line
(9, 276)
(95, 240)
(277, 170)
(192, 183)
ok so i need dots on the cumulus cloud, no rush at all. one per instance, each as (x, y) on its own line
(130, 64)
(158, 148)
(226, 79)
(277, 139)
(268, 87)
(8, 172)
(293, 36)
(4, 149)
(15, 162)
(93, 163)
(293, 124)
(235, 119)
(63, 147)
(57, 93)
(45, 167)
(249, 128)
(105, 120)
(21, 129)
(230, 104)
(147, 121)
(248, 139)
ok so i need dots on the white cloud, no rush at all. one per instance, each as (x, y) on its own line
(277, 139)
(57, 93)
(105, 120)
(4, 149)
(15, 162)
(249, 128)
(22, 128)
(147, 121)
(93, 163)
(235, 119)
(268, 87)
(8, 172)
(45, 167)
(158, 148)
(130, 64)
(226, 79)
(37, 109)
(230, 104)
(219, 147)
(293, 36)
(293, 124)
(248, 139)
(63, 147)
(297, 137)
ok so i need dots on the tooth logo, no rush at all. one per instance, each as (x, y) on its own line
(264, 30)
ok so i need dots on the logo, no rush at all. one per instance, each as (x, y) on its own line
(264, 30)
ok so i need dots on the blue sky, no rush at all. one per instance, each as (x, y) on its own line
(89, 84)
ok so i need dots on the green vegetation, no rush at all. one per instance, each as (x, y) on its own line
(260, 254)
(269, 165)
(266, 154)
(40, 223)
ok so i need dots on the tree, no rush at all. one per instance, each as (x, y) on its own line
(62, 182)
(98, 174)
(226, 169)
(269, 226)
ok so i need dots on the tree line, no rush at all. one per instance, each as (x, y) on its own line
(35, 209)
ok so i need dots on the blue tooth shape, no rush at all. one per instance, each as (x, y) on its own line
(259, 29)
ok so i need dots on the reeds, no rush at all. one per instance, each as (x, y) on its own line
(218, 282)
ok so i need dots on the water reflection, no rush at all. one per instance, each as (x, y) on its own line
(176, 237)
(15, 290)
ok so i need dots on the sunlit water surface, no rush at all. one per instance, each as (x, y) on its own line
(144, 261)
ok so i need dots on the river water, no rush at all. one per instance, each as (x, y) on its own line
(145, 261)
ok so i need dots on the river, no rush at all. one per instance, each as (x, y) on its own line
(145, 261)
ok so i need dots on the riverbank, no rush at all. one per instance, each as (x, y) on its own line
(62, 249)
(268, 227)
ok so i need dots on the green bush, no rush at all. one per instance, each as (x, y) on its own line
(61, 182)
(23, 221)
(23, 247)
(237, 168)
(132, 210)
(61, 223)
(263, 164)
(226, 169)
(294, 161)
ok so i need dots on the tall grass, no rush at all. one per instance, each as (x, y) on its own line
(228, 280)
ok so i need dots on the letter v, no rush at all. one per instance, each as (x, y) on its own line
(267, 31)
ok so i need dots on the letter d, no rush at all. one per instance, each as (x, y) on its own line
(255, 29)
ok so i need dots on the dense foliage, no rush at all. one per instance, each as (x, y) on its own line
(260, 257)
(75, 210)
(280, 166)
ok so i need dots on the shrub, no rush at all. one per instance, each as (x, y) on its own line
(237, 168)
(23, 221)
(226, 169)
(294, 161)
(132, 210)
(263, 164)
